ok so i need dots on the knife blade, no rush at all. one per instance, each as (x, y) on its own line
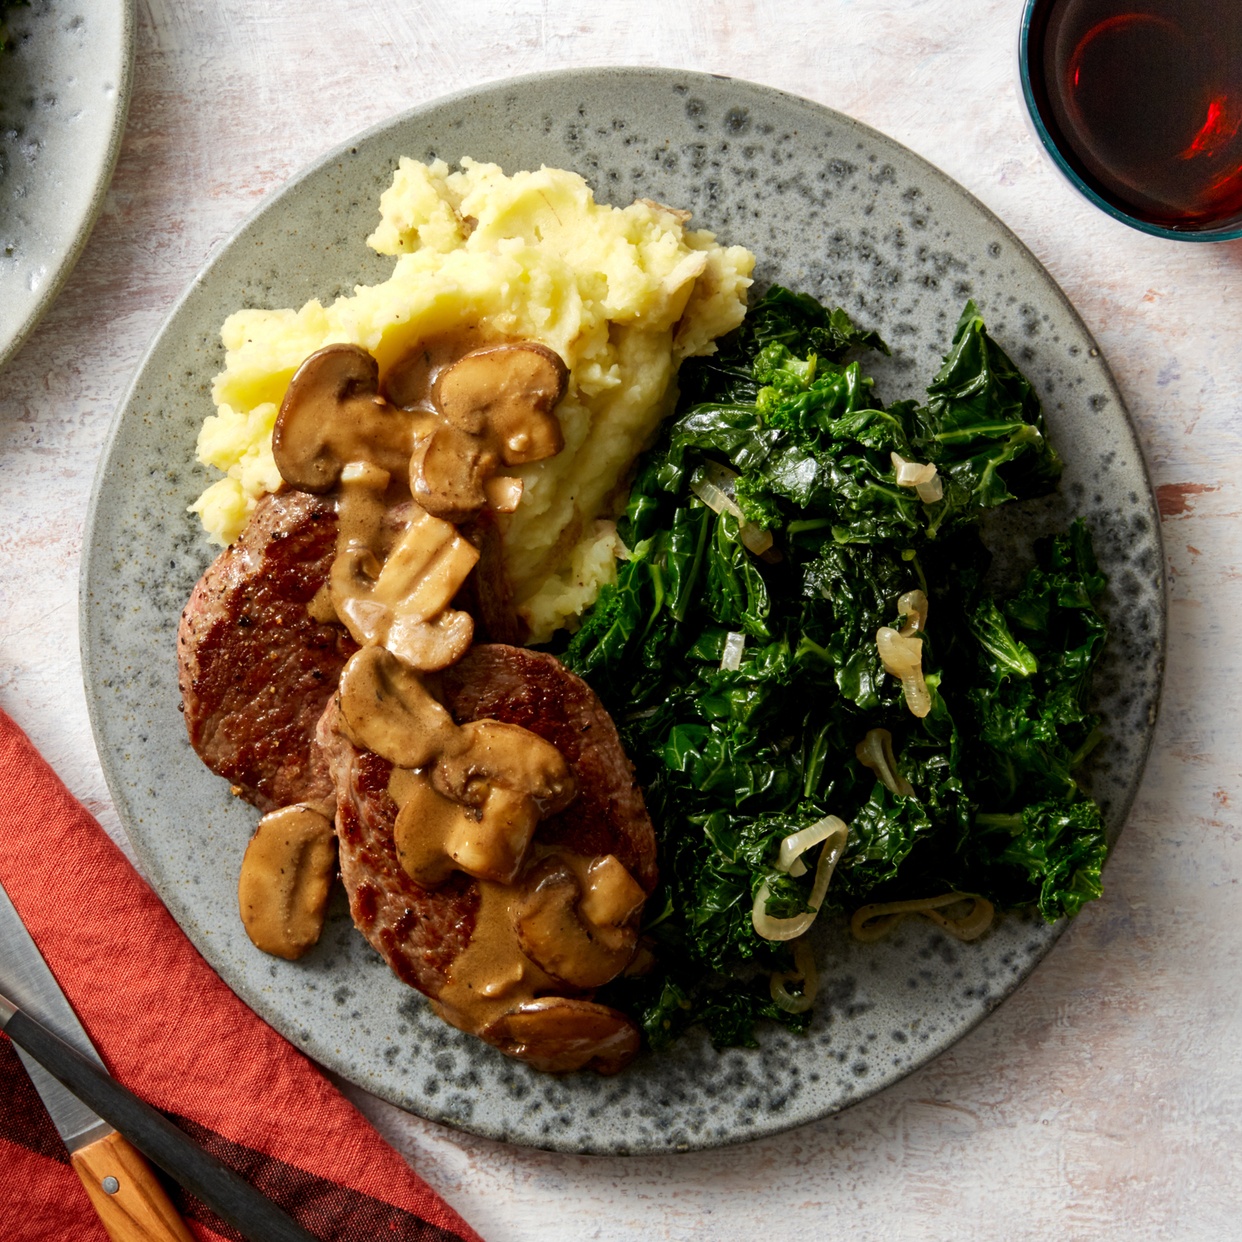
(91, 1110)
(30, 984)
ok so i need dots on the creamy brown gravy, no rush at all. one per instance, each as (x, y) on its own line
(493, 975)
(411, 378)
(398, 567)
(392, 582)
(469, 797)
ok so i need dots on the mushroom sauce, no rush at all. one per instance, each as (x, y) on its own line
(405, 461)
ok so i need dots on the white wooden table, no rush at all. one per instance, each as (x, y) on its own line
(1104, 1100)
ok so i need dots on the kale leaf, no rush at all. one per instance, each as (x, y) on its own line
(734, 759)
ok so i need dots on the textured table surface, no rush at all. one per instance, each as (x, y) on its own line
(1104, 1100)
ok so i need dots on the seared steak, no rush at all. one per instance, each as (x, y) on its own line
(256, 669)
(258, 679)
(419, 931)
(487, 595)
(536, 691)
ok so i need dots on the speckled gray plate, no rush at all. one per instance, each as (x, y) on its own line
(64, 93)
(828, 206)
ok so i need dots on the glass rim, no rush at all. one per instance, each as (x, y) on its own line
(1228, 233)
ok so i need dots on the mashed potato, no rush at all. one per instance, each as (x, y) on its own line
(622, 295)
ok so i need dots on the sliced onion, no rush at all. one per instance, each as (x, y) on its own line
(969, 925)
(913, 606)
(875, 751)
(754, 538)
(790, 929)
(911, 473)
(873, 921)
(645, 714)
(713, 485)
(804, 972)
(713, 497)
(797, 844)
(898, 652)
(720, 477)
(735, 644)
(902, 656)
(921, 476)
(918, 697)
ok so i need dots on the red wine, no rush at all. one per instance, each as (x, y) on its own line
(1143, 99)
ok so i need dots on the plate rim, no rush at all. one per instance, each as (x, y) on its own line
(68, 259)
(341, 150)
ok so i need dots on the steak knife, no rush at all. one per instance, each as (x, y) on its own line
(92, 1112)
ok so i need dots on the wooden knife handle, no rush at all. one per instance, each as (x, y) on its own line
(137, 1210)
(211, 1181)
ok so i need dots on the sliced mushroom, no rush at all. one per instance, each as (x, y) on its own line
(424, 824)
(426, 568)
(361, 516)
(431, 645)
(332, 414)
(436, 836)
(385, 708)
(286, 875)
(490, 785)
(449, 470)
(351, 588)
(611, 897)
(409, 380)
(490, 752)
(492, 843)
(515, 388)
(558, 935)
(402, 604)
(559, 1035)
(503, 493)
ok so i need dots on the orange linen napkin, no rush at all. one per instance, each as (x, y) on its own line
(170, 1030)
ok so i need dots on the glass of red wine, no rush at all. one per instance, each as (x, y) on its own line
(1139, 103)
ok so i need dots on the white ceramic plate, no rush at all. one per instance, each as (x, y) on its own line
(64, 93)
(828, 206)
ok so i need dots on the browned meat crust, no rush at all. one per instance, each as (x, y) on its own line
(418, 932)
(256, 670)
(535, 690)
(487, 595)
(258, 679)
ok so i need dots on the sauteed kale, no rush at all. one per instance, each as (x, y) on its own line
(783, 435)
